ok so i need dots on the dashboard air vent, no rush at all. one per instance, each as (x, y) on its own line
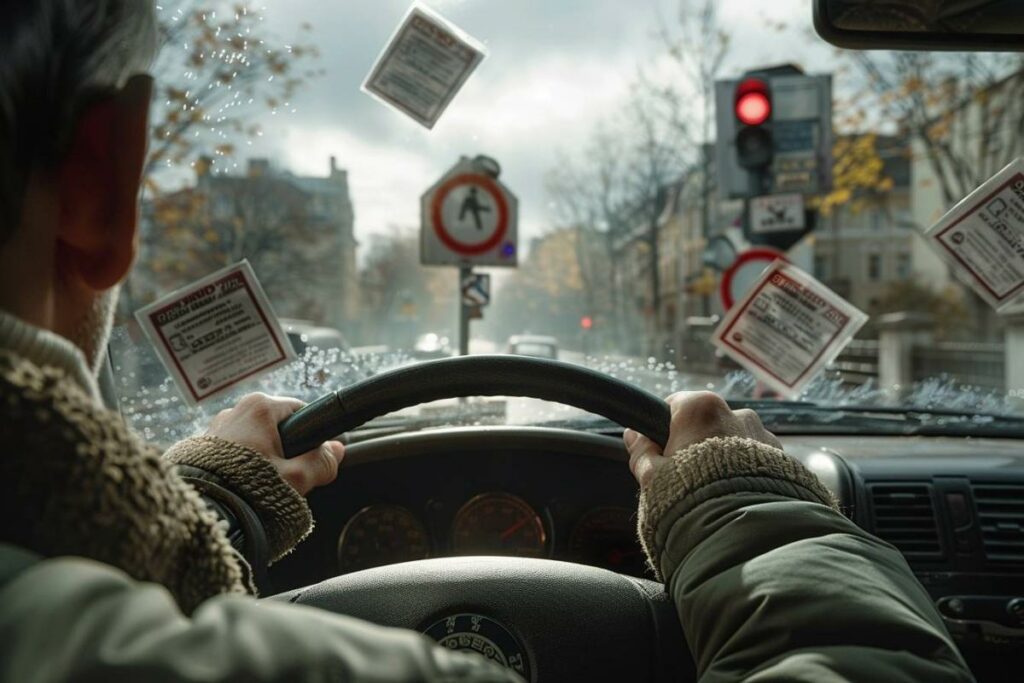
(1001, 515)
(904, 515)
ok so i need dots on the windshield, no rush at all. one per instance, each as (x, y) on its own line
(627, 138)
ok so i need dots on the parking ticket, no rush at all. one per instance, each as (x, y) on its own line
(787, 328)
(424, 65)
(982, 237)
(216, 332)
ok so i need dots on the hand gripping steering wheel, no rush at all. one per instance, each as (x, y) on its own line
(551, 620)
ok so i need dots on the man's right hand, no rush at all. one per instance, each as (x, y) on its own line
(696, 416)
(253, 423)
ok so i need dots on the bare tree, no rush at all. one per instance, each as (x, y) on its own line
(588, 194)
(401, 297)
(657, 159)
(267, 220)
(617, 184)
(699, 47)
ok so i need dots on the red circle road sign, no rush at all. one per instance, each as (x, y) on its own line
(766, 255)
(437, 219)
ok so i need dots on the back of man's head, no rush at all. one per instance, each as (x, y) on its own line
(56, 56)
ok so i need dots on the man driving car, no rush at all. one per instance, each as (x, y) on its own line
(117, 562)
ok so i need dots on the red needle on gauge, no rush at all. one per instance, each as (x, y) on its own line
(507, 533)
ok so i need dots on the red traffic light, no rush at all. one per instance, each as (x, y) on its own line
(586, 322)
(753, 102)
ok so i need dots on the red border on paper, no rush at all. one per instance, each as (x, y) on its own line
(372, 81)
(970, 212)
(437, 221)
(724, 337)
(760, 254)
(181, 372)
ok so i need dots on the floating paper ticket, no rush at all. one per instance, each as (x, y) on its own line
(216, 332)
(787, 328)
(424, 65)
(982, 238)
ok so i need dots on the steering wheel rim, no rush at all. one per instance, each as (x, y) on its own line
(486, 375)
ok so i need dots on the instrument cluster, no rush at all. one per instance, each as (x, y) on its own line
(491, 523)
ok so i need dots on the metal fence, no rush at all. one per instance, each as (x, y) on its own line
(980, 365)
(858, 362)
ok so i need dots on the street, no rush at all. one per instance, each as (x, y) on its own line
(656, 378)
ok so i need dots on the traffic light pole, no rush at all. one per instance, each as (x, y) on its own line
(464, 273)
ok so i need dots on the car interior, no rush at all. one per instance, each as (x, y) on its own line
(461, 519)
(532, 528)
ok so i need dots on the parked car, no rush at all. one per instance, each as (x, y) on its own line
(534, 345)
(304, 334)
(430, 346)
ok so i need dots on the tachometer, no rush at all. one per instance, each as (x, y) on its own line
(498, 524)
(379, 535)
(606, 537)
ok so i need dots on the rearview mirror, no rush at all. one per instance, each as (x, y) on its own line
(970, 25)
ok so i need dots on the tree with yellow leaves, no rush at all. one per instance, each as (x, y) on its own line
(218, 66)
(963, 114)
(859, 178)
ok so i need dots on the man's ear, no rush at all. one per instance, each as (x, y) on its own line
(98, 186)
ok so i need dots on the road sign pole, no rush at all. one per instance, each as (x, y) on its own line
(465, 272)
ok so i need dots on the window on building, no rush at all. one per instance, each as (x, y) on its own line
(902, 218)
(874, 267)
(903, 266)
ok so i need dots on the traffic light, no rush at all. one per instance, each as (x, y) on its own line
(752, 106)
(586, 322)
(774, 128)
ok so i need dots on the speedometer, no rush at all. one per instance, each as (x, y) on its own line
(379, 535)
(606, 537)
(498, 524)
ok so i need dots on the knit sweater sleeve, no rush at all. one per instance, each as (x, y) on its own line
(711, 469)
(284, 513)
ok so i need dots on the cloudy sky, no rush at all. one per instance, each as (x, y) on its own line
(554, 69)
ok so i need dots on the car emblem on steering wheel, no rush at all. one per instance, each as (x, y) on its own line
(476, 633)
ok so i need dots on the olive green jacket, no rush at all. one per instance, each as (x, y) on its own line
(771, 583)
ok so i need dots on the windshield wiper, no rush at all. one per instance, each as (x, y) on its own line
(888, 420)
(804, 417)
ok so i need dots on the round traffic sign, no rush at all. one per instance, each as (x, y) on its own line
(744, 271)
(469, 214)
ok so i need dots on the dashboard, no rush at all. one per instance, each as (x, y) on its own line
(953, 507)
(537, 493)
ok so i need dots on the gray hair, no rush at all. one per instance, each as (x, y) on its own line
(54, 56)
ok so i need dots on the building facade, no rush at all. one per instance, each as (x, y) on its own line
(862, 248)
(296, 231)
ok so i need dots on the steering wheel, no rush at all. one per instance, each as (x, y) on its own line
(550, 620)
